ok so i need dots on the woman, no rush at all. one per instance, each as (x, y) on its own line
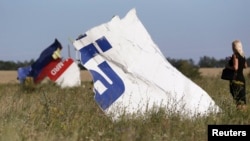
(238, 85)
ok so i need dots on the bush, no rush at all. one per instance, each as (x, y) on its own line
(187, 67)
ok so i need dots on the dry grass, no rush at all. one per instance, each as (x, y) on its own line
(49, 113)
(216, 72)
(10, 76)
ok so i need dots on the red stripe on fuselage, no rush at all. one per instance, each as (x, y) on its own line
(56, 70)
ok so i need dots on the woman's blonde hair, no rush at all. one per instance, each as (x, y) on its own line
(237, 46)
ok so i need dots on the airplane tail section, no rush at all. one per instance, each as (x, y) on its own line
(65, 73)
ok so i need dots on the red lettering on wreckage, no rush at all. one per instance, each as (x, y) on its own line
(55, 69)
(59, 69)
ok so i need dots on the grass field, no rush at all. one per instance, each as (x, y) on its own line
(46, 112)
(10, 76)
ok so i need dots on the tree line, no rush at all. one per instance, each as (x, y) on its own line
(204, 62)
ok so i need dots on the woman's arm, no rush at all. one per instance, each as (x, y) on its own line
(235, 63)
(246, 64)
(234, 66)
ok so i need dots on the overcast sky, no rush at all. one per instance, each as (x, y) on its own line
(182, 29)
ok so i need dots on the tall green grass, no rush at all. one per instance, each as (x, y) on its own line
(48, 113)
